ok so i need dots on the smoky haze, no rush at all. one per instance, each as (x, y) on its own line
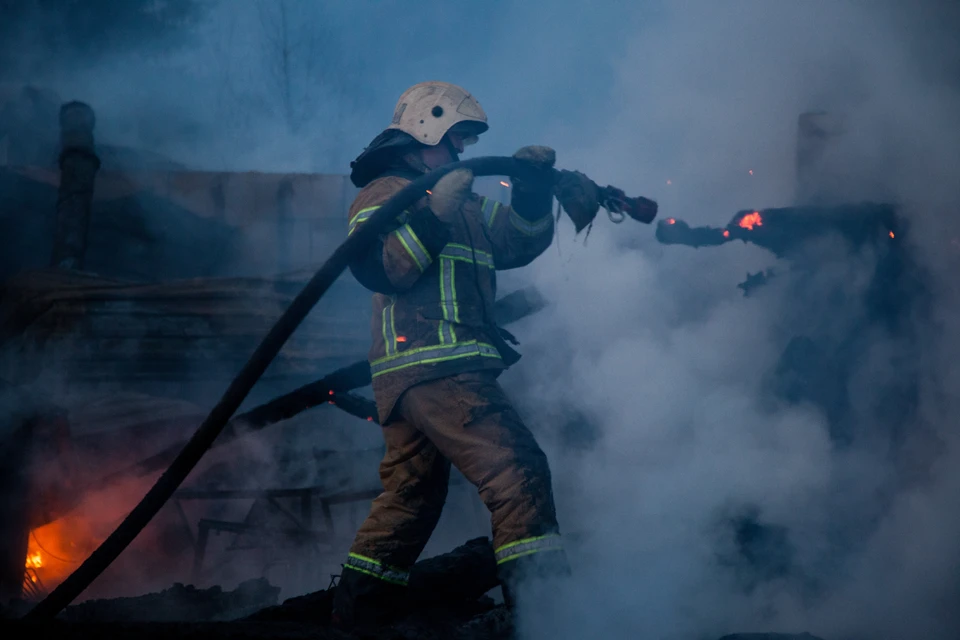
(694, 104)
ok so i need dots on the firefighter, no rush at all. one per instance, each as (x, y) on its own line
(437, 353)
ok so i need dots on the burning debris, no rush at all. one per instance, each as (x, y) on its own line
(785, 230)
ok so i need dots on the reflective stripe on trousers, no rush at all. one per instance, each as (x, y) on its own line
(371, 567)
(430, 355)
(528, 546)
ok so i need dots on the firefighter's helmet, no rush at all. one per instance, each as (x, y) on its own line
(427, 111)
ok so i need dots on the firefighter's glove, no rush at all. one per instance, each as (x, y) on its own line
(531, 198)
(448, 195)
(579, 196)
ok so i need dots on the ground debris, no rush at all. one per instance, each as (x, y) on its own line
(448, 602)
(179, 603)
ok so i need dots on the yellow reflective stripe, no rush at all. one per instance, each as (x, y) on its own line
(371, 567)
(431, 355)
(528, 546)
(448, 301)
(464, 253)
(489, 208)
(389, 330)
(534, 228)
(414, 247)
(464, 247)
(364, 214)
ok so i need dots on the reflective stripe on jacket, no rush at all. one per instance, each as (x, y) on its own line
(434, 286)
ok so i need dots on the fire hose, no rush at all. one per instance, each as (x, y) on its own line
(618, 206)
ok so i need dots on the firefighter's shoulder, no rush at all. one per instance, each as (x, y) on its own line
(377, 193)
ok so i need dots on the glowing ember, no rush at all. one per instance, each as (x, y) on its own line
(401, 338)
(892, 235)
(751, 220)
(726, 233)
(34, 560)
(671, 221)
(430, 192)
(504, 183)
(369, 419)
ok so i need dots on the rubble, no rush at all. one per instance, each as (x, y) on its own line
(179, 603)
(448, 602)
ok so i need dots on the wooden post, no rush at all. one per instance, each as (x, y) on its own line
(14, 509)
(78, 169)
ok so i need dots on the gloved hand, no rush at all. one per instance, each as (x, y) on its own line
(531, 198)
(579, 196)
(449, 194)
(542, 157)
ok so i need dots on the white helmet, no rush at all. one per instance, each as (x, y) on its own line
(426, 111)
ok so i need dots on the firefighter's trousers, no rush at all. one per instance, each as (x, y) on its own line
(466, 420)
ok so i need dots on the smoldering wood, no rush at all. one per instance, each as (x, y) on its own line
(785, 230)
(78, 169)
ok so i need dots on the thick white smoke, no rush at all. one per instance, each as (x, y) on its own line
(658, 349)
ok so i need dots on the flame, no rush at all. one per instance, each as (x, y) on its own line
(55, 549)
(504, 183)
(401, 338)
(892, 235)
(751, 220)
(671, 221)
(430, 192)
(726, 233)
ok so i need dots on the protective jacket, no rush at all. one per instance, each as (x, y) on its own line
(434, 286)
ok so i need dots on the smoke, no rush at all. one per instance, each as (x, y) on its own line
(855, 539)
(669, 369)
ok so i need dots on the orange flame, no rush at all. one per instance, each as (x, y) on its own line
(430, 192)
(401, 338)
(892, 235)
(726, 233)
(751, 220)
(34, 560)
(671, 221)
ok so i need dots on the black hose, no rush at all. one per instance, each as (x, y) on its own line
(251, 372)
